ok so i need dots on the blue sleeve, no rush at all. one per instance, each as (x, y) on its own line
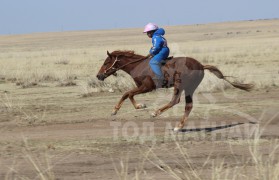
(157, 45)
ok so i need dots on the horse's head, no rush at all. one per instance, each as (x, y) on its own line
(108, 68)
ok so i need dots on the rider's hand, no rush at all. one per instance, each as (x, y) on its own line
(149, 55)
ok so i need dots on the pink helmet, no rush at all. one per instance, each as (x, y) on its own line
(150, 27)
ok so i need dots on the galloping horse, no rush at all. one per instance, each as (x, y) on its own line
(182, 73)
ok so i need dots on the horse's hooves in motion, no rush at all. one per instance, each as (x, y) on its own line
(155, 114)
(114, 112)
(141, 106)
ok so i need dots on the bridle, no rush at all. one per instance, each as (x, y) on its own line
(118, 68)
(112, 66)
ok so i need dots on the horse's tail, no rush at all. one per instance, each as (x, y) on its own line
(219, 74)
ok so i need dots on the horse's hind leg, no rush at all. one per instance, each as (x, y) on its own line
(188, 108)
(175, 100)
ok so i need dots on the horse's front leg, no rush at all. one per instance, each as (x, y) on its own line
(131, 94)
(136, 105)
(119, 104)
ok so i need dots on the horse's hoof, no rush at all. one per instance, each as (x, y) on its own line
(114, 112)
(154, 114)
(141, 106)
(177, 129)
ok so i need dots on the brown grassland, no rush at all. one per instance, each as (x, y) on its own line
(55, 120)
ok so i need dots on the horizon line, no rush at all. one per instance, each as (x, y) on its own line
(123, 28)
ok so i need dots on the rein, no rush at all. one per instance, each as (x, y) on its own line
(116, 60)
(130, 63)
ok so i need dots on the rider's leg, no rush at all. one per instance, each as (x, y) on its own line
(155, 64)
(156, 68)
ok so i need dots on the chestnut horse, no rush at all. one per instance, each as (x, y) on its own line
(182, 73)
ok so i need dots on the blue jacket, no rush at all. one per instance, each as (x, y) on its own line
(158, 41)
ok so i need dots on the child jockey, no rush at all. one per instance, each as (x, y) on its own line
(159, 51)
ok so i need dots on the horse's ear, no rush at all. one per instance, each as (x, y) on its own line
(109, 54)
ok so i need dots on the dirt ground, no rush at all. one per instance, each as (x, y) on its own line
(132, 144)
(50, 130)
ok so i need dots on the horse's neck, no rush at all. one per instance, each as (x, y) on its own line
(130, 65)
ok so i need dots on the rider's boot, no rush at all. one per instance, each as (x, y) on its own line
(160, 82)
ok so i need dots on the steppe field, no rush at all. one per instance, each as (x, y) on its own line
(55, 116)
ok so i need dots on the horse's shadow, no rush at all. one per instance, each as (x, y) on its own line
(211, 129)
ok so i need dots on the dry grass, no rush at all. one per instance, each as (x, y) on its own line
(257, 164)
(43, 168)
(26, 117)
(249, 52)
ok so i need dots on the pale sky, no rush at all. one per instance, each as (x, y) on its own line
(29, 16)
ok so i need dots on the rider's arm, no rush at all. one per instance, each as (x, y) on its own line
(157, 45)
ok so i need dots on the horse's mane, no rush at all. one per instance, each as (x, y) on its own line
(127, 53)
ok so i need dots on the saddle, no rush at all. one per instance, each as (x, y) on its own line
(166, 60)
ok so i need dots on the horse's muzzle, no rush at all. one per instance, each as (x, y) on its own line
(101, 77)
